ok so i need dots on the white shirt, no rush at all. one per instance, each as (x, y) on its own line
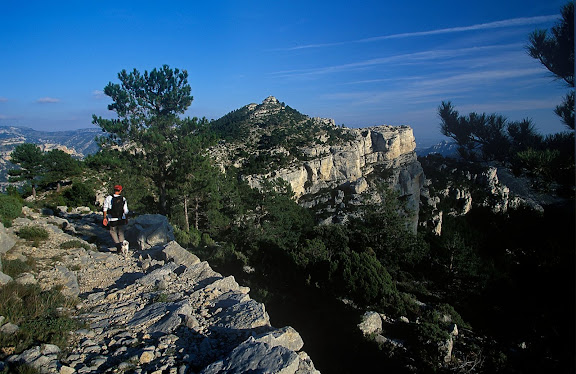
(108, 206)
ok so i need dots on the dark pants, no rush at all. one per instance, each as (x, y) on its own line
(117, 232)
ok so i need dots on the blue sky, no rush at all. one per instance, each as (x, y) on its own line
(362, 63)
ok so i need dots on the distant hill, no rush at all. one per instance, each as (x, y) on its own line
(78, 143)
(445, 148)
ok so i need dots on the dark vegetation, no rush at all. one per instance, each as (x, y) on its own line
(505, 279)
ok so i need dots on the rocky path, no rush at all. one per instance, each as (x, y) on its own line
(159, 310)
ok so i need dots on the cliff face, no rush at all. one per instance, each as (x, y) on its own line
(454, 187)
(333, 169)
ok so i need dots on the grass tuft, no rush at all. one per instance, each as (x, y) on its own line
(37, 314)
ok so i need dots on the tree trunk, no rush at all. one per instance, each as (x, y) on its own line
(186, 213)
(162, 197)
(197, 213)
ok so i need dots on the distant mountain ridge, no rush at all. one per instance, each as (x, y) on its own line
(445, 148)
(78, 143)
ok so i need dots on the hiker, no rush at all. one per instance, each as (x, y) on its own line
(115, 211)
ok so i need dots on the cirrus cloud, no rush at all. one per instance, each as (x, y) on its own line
(48, 100)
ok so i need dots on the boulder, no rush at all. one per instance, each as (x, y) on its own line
(4, 278)
(175, 253)
(69, 281)
(7, 241)
(256, 357)
(9, 329)
(286, 337)
(149, 230)
(371, 323)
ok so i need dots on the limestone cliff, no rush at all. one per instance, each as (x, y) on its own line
(454, 187)
(330, 169)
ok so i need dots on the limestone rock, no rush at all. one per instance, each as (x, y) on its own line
(371, 323)
(174, 252)
(9, 329)
(4, 278)
(148, 230)
(69, 281)
(6, 241)
(170, 314)
(26, 278)
(256, 357)
(286, 337)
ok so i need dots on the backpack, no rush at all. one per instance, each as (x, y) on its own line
(117, 209)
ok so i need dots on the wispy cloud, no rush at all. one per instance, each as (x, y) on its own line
(482, 77)
(404, 59)
(428, 89)
(510, 105)
(47, 100)
(514, 22)
(3, 99)
(98, 94)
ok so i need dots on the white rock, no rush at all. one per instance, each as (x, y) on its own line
(371, 323)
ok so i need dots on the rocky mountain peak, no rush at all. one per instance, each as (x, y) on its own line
(270, 106)
(270, 100)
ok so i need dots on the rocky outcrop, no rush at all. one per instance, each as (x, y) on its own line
(473, 185)
(161, 310)
(341, 176)
(330, 169)
(351, 163)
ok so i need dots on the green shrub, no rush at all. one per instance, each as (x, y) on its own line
(187, 239)
(14, 267)
(225, 259)
(429, 338)
(19, 369)
(36, 313)
(75, 244)
(33, 233)
(364, 279)
(446, 315)
(207, 240)
(10, 208)
(79, 194)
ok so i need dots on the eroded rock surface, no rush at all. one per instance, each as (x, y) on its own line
(161, 310)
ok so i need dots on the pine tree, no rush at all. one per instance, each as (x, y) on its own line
(149, 126)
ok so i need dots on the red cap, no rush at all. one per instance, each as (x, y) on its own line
(117, 187)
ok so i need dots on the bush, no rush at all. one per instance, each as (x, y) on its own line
(364, 279)
(207, 240)
(79, 194)
(15, 267)
(36, 313)
(429, 339)
(446, 315)
(187, 239)
(10, 208)
(225, 259)
(33, 233)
